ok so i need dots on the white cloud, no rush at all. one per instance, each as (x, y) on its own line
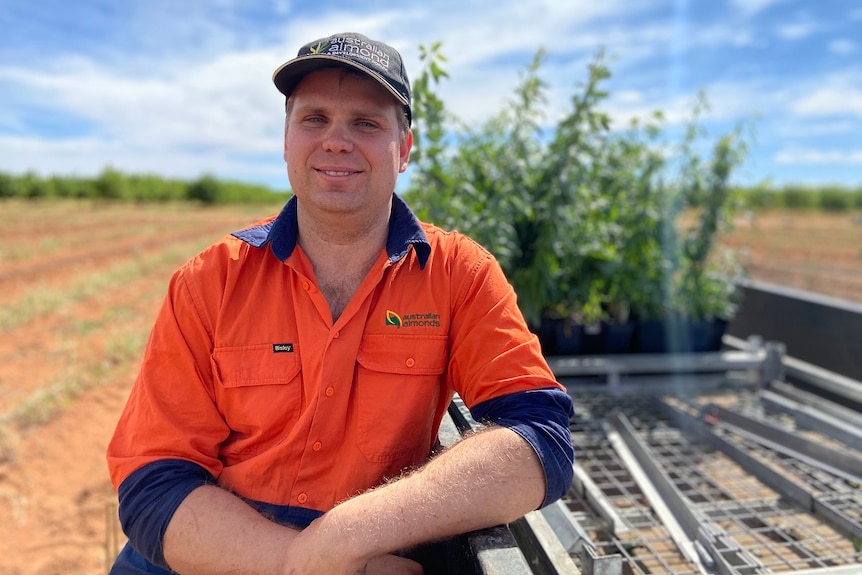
(815, 129)
(842, 46)
(795, 30)
(88, 156)
(219, 102)
(811, 156)
(751, 7)
(835, 95)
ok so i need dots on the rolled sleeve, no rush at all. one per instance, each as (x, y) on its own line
(542, 418)
(148, 499)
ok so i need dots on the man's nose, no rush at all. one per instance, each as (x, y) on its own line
(337, 139)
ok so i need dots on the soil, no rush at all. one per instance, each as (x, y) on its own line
(80, 285)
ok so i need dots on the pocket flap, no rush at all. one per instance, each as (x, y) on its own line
(403, 354)
(254, 365)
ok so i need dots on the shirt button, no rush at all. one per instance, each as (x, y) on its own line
(302, 498)
(317, 445)
(410, 362)
(306, 285)
(336, 335)
(329, 391)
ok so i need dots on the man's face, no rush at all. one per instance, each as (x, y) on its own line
(342, 144)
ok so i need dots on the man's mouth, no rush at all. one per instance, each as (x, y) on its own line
(336, 173)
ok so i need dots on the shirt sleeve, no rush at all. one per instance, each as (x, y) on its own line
(542, 418)
(148, 499)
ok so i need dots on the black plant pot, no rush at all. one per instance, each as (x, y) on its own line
(650, 336)
(546, 332)
(568, 337)
(679, 335)
(618, 337)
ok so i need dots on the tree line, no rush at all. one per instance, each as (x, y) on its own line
(800, 197)
(114, 185)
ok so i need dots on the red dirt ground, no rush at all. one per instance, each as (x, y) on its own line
(57, 513)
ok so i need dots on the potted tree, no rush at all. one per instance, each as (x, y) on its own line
(585, 221)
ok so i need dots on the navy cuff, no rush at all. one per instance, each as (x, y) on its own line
(150, 496)
(542, 418)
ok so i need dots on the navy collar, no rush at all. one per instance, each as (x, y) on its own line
(281, 233)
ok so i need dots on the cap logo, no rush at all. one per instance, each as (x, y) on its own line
(347, 47)
(376, 59)
(321, 46)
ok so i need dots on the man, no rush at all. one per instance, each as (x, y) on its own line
(297, 373)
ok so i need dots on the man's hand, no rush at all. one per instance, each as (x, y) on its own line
(304, 558)
(322, 548)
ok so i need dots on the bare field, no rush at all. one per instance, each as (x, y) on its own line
(816, 252)
(80, 284)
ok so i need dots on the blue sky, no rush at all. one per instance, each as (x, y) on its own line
(182, 87)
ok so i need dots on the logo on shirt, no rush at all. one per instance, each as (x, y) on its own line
(282, 348)
(393, 318)
(412, 320)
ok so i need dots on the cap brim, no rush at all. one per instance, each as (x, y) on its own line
(288, 75)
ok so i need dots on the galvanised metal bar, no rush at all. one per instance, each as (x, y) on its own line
(587, 488)
(574, 539)
(821, 404)
(814, 419)
(717, 551)
(670, 512)
(838, 462)
(836, 570)
(824, 379)
(570, 366)
(795, 491)
(646, 547)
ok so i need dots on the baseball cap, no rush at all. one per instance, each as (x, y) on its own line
(379, 61)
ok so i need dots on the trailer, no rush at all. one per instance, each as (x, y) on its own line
(738, 462)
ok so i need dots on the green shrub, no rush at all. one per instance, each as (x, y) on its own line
(834, 199)
(111, 185)
(761, 197)
(7, 186)
(205, 189)
(799, 198)
(583, 218)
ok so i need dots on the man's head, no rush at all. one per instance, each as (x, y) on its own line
(377, 60)
(347, 135)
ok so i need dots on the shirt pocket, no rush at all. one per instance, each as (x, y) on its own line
(258, 391)
(399, 388)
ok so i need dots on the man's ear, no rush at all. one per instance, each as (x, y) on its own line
(284, 152)
(406, 146)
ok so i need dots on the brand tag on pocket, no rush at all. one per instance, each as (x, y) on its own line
(282, 348)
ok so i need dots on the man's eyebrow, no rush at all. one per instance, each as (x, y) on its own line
(358, 112)
(309, 109)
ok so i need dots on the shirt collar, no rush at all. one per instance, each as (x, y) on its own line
(281, 233)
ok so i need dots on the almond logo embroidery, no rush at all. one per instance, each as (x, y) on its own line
(393, 318)
(413, 319)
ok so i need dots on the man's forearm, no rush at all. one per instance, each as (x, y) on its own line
(489, 478)
(214, 532)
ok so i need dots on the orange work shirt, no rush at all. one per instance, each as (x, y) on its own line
(246, 375)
